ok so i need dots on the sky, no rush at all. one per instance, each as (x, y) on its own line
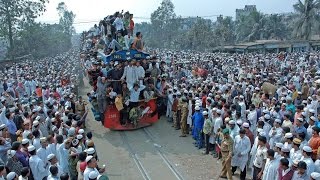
(89, 12)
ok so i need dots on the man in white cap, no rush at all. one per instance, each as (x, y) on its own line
(42, 152)
(252, 118)
(53, 161)
(275, 134)
(242, 147)
(37, 166)
(91, 167)
(198, 120)
(307, 152)
(234, 129)
(288, 140)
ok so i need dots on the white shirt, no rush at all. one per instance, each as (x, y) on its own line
(270, 170)
(37, 167)
(42, 154)
(118, 23)
(242, 147)
(261, 155)
(87, 171)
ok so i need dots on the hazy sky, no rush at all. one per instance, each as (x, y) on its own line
(94, 10)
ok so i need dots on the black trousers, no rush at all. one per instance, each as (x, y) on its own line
(243, 173)
(256, 171)
(178, 119)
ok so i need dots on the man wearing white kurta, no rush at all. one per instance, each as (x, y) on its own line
(130, 74)
(252, 118)
(42, 152)
(37, 166)
(271, 167)
(241, 151)
(275, 134)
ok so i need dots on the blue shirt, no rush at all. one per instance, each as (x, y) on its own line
(134, 95)
(300, 129)
(12, 128)
(198, 120)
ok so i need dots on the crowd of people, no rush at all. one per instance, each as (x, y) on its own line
(42, 122)
(256, 112)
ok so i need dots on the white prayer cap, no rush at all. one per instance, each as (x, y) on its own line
(11, 176)
(232, 122)
(288, 135)
(38, 118)
(197, 108)
(285, 149)
(246, 125)
(31, 148)
(2, 126)
(279, 145)
(81, 131)
(315, 175)
(79, 136)
(239, 122)
(88, 158)
(313, 118)
(35, 123)
(24, 141)
(278, 121)
(262, 134)
(57, 113)
(43, 139)
(90, 151)
(219, 111)
(300, 119)
(205, 113)
(267, 116)
(312, 111)
(50, 156)
(214, 109)
(11, 153)
(307, 149)
(259, 130)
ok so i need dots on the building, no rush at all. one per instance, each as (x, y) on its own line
(245, 11)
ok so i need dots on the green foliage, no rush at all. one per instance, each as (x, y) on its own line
(66, 18)
(167, 30)
(14, 13)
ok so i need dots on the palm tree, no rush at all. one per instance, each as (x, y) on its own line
(305, 18)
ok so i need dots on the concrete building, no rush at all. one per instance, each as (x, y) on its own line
(245, 11)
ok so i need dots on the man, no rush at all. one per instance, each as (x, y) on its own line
(252, 117)
(198, 121)
(314, 142)
(138, 43)
(91, 167)
(234, 129)
(101, 95)
(115, 75)
(130, 74)
(275, 133)
(184, 116)
(54, 173)
(37, 166)
(242, 147)
(299, 128)
(207, 129)
(226, 152)
(249, 134)
(53, 161)
(80, 106)
(295, 152)
(301, 172)
(260, 158)
(284, 172)
(42, 152)
(307, 152)
(271, 167)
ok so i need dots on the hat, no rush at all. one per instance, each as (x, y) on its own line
(24, 141)
(232, 122)
(197, 108)
(278, 121)
(90, 151)
(31, 148)
(38, 118)
(205, 113)
(267, 116)
(312, 111)
(79, 136)
(11, 153)
(90, 143)
(296, 141)
(50, 156)
(71, 131)
(219, 111)
(35, 123)
(225, 131)
(11, 176)
(88, 158)
(300, 119)
(239, 122)
(43, 139)
(279, 145)
(307, 149)
(2, 126)
(315, 175)
(81, 131)
(93, 175)
(75, 142)
(288, 135)
(245, 125)
(313, 118)
(285, 149)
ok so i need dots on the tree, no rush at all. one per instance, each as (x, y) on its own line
(161, 21)
(224, 30)
(305, 18)
(13, 13)
(66, 18)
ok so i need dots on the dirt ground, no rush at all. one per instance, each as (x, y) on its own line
(180, 152)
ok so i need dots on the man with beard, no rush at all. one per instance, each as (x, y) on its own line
(115, 76)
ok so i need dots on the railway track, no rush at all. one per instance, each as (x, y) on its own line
(166, 167)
